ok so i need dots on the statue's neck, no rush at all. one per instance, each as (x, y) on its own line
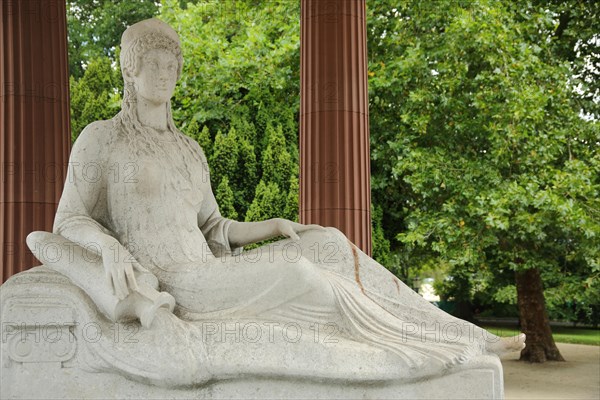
(152, 115)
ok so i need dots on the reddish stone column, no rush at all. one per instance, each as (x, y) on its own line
(34, 123)
(335, 177)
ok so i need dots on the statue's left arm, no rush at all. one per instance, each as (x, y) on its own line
(226, 236)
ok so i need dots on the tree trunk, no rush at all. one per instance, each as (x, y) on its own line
(534, 318)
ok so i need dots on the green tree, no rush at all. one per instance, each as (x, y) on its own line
(480, 159)
(268, 202)
(239, 57)
(246, 130)
(95, 27)
(574, 38)
(224, 160)
(205, 141)
(246, 175)
(241, 71)
(291, 210)
(225, 199)
(95, 96)
(276, 160)
(381, 245)
(193, 130)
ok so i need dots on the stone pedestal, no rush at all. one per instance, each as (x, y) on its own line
(56, 344)
(483, 380)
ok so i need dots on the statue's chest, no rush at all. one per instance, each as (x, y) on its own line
(158, 174)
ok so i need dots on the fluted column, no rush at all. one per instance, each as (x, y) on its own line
(334, 123)
(34, 123)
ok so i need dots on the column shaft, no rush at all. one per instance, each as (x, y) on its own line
(334, 122)
(34, 123)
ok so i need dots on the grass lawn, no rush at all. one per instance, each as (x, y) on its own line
(561, 334)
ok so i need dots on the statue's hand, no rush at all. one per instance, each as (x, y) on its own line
(291, 229)
(119, 272)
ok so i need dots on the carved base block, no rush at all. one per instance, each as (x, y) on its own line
(50, 381)
(55, 344)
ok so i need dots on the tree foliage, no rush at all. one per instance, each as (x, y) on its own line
(381, 245)
(576, 39)
(276, 160)
(268, 202)
(96, 96)
(224, 159)
(241, 84)
(95, 28)
(225, 199)
(477, 137)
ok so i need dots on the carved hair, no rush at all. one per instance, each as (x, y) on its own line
(131, 60)
(127, 120)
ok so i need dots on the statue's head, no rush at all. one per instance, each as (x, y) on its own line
(151, 60)
(151, 63)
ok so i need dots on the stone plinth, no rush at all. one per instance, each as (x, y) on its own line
(53, 336)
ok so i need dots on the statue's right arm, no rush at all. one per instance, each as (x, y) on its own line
(82, 210)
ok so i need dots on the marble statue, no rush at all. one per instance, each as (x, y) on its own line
(138, 240)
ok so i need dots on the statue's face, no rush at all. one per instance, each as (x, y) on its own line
(157, 76)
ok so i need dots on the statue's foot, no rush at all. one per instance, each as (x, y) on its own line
(507, 344)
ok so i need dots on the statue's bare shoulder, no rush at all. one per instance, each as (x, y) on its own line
(93, 144)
